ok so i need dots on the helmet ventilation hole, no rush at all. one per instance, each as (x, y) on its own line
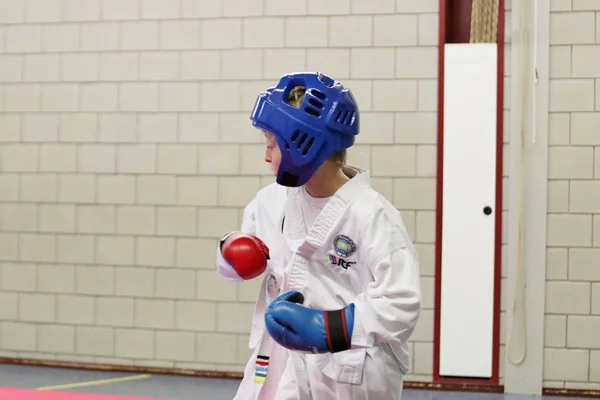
(312, 111)
(345, 117)
(308, 146)
(316, 103)
(318, 94)
(301, 141)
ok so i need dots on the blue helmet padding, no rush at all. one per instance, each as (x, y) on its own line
(326, 122)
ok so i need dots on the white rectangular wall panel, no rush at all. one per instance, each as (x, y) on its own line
(468, 241)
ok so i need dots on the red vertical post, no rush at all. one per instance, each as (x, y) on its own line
(454, 27)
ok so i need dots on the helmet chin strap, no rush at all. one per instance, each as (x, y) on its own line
(291, 175)
(285, 178)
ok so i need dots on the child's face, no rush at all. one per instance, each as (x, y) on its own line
(272, 154)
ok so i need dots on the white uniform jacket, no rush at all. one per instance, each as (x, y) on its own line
(357, 251)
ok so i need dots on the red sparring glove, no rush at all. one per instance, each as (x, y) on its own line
(246, 253)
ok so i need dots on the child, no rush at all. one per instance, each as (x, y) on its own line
(349, 295)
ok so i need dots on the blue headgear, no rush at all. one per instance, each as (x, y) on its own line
(326, 122)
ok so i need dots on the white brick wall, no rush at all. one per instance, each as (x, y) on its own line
(571, 357)
(126, 151)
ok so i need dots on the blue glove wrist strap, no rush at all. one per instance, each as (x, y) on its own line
(336, 328)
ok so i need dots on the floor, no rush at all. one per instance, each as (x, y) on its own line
(68, 384)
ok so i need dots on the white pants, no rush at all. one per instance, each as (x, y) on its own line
(382, 380)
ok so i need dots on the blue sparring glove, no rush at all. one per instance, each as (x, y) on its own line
(299, 328)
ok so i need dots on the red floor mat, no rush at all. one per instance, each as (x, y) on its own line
(30, 394)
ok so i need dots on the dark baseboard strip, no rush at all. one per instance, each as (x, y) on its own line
(454, 387)
(594, 394)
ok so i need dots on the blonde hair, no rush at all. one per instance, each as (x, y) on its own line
(295, 98)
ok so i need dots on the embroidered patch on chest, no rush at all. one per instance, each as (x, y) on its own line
(344, 246)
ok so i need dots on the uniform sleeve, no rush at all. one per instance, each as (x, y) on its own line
(248, 226)
(388, 310)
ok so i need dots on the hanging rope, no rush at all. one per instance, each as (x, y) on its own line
(526, 39)
(484, 21)
(484, 25)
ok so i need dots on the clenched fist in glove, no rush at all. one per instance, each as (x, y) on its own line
(296, 327)
(246, 253)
